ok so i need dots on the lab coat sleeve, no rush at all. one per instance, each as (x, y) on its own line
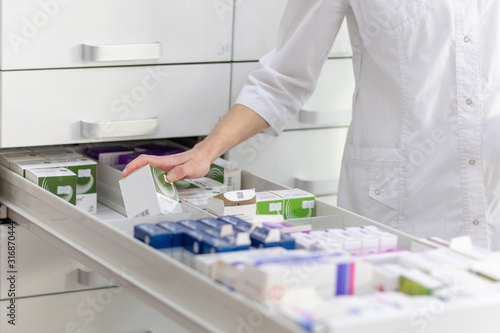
(288, 74)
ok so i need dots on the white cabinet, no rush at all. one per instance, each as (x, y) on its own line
(82, 33)
(256, 25)
(329, 105)
(49, 107)
(307, 159)
(94, 311)
(41, 268)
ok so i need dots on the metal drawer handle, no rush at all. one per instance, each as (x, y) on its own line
(318, 187)
(330, 117)
(91, 279)
(122, 52)
(113, 129)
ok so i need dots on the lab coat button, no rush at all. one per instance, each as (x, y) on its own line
(476, 222)
(468, 101)
(466, 39)
(377, 192)
(472, 162)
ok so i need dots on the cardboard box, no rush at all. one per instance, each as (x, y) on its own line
(296, 203)
(7, 159)
(197, 191)
(59, 154)
(146, 191)
(227, 173)
(269, 203)
(108, 154)
(59, 181)
(21, 167)
(241, 204)
(86, 181)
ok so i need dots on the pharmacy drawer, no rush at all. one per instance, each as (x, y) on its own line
(174, 290)
(82, 33)
(329, 105)
(307, 159)
(256, 25)
(38, 267)
(51, 107)
(95, 311)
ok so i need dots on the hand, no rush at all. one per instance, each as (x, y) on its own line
(189, 164)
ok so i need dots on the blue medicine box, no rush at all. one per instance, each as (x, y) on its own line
(238, 240)
(288, 242)
(237, 223)
(192, 224)
(216, 245)
(176, 230)
(193, 241)
(153, 235)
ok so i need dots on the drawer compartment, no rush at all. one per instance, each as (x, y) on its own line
(82, 33)
(104, 104)
(173, 289)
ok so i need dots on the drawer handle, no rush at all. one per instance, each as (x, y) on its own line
(331, 117)
(318, 187)
(114, 129)
(123, 52)
(91, 279)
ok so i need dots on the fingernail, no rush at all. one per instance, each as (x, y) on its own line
(171, 176)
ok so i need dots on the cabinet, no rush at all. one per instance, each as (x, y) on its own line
(90, 33)
(111, 103)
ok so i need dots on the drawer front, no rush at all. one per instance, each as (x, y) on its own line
(256, 26)
(96, 311)
(308, 159)
(329, 105)
(38, 267)
(104, 104)
(80, 33)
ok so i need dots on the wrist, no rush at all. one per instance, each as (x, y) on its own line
(208, 149)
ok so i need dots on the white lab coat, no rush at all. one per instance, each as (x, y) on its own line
(423, 148)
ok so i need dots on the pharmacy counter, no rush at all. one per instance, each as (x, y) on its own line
(104, 244)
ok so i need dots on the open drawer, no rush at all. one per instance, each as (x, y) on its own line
(103, 244)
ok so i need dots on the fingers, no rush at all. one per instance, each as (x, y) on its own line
(178, 166)
(164, 163)
(177, 173)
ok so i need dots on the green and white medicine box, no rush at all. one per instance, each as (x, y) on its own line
(7, 159)
(197, 191)
(146, 191)
(200, 184)
(60, 154)
(269, 203)
(21, 167)
(296, 203)
(227, 173)
(59, 181)
(86, 181)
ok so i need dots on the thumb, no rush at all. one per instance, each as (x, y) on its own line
(176, 174)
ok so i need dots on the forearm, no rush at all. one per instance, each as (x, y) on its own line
(239, 124)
